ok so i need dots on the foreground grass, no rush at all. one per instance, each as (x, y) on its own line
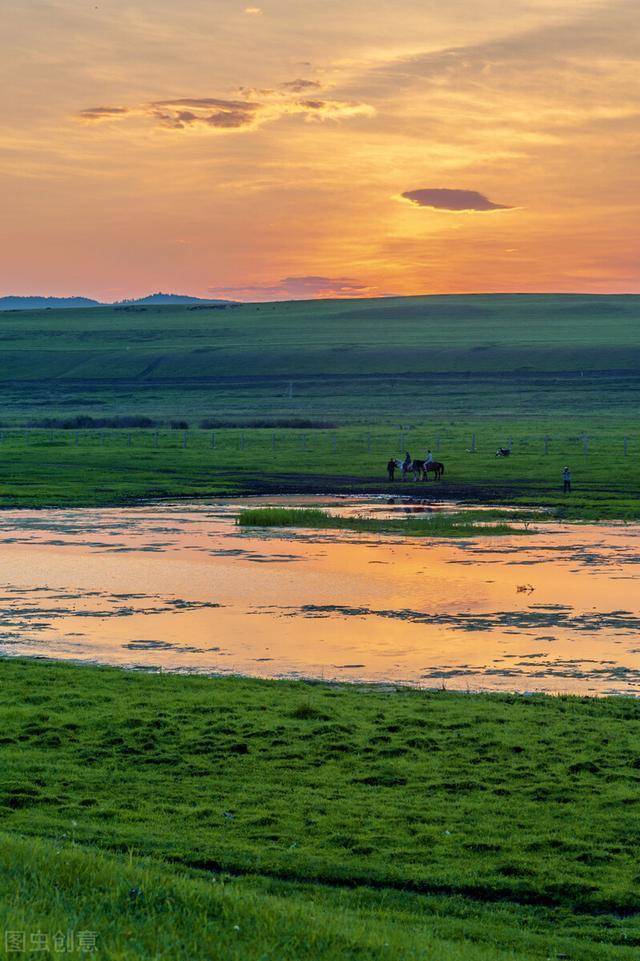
(133, 907)
(437, 525)
(343, 819)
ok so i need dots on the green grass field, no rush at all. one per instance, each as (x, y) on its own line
(379, 376)
(347, 361)
(187, 818)
(65, 468)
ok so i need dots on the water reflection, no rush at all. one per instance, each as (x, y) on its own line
(183, 588)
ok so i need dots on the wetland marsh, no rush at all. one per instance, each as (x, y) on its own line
(184, 588)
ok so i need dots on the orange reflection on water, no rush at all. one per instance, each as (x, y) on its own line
(183, 588)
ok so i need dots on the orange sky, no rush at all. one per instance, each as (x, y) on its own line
(263, 151)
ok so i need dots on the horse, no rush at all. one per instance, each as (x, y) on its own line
(421, 469)
(403, 467)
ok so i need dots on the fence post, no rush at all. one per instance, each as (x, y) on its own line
(184, 439)
(510, 443)
(213, 438)
(437, 443)
(102, 438)
(401, 440)
(77, 437)
(585, 443)
(334, 442)
(273, 441)
(626, 446)
(128, 440)
(473, 443)
(546, 443)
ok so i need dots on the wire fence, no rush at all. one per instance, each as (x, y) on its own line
(386, 442)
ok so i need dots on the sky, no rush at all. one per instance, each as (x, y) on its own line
(319, 148)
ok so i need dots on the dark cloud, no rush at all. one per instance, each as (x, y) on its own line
(102, 113)
(252, 111)
(209, 111)
(446, 199)
(203, 103)
(299, 85)
(299, 288)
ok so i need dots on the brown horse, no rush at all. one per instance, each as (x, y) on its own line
(421, 469)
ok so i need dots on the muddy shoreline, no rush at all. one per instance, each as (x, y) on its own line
(357, 486)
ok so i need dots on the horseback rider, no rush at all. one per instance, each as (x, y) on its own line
(429, 458)
(407, 462)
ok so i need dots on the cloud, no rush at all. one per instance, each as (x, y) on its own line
(307, 287)
(102, 113)
(256, 108)
(208, 111)
(300, 85)
(446, 199)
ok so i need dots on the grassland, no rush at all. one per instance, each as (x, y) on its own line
(450, 373)
(190, 818)
(365, 361)
(65, 468)
(187, 818)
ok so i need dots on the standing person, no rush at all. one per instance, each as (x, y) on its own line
(391, 469)
(566, 481)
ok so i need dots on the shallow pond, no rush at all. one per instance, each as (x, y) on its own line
(184, 588)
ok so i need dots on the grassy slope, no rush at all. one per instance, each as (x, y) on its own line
(505, 827)
(497, 366)
(349, 360)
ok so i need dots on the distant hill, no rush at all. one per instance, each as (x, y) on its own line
(170, 300)
(43, 303)
(49, 303)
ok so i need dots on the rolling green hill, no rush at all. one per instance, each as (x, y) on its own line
(346, 360)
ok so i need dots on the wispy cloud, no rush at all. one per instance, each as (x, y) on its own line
(441, 198)
(205, 111)
(300, 85)
(102, 113)
(254, 109)
(309, 287)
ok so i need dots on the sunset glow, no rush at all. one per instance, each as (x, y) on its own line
(319, 148)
